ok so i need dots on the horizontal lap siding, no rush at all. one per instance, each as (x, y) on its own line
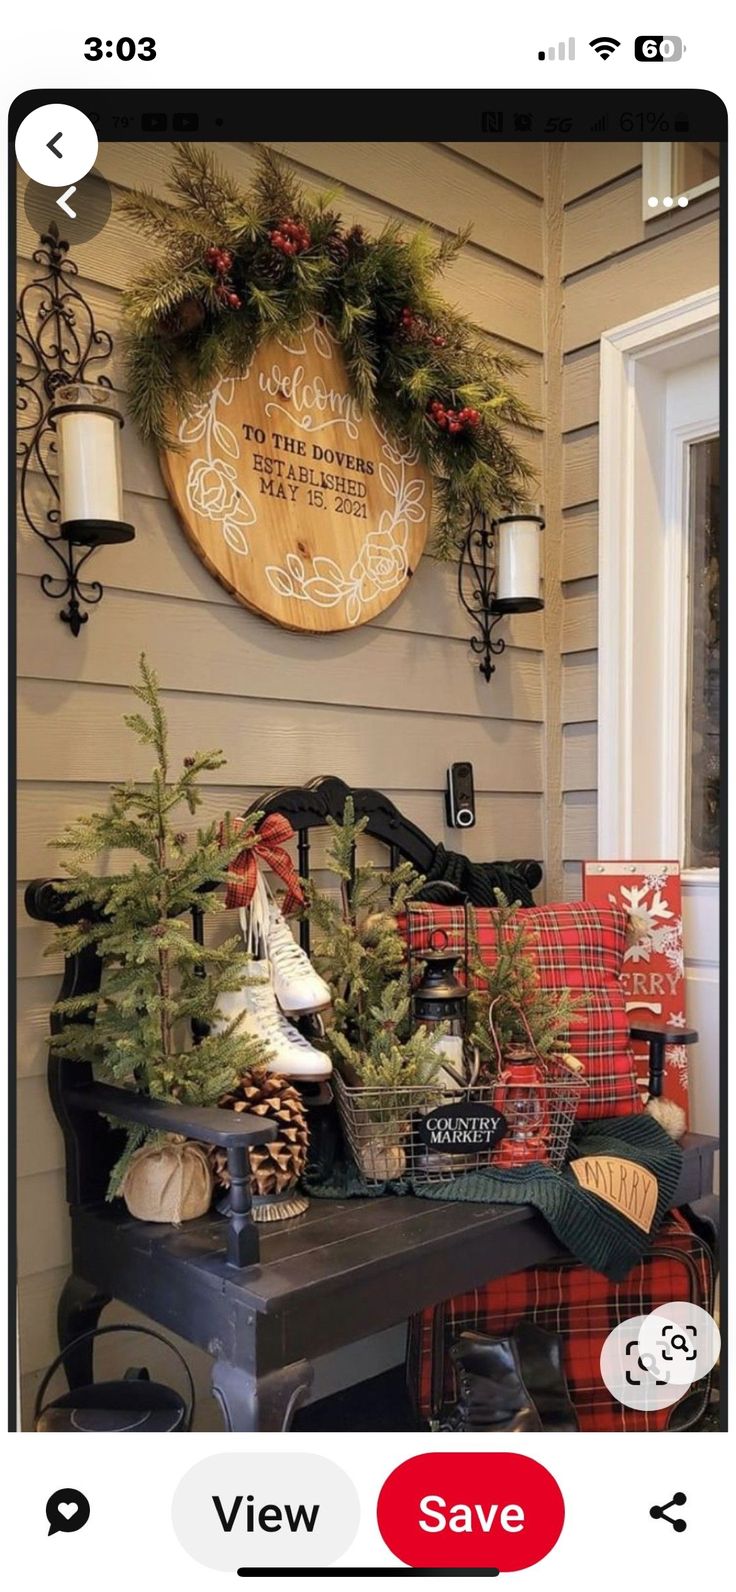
(389, 705)
(616, 267)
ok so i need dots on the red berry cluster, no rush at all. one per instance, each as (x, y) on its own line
(415, 328)
(220, 261)
(290, 237)
(453, 420)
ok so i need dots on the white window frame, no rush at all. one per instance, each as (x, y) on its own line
(658, 177)
(642, 509)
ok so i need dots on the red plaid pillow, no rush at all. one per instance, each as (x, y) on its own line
(576, 946)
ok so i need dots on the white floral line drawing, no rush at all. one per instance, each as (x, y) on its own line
(381, 565)
(212, 484)
(322, 337)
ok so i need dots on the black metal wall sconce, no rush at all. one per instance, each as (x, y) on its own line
(68, 428)
(499, 572)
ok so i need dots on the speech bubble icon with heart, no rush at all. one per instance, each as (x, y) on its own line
(67, 1510)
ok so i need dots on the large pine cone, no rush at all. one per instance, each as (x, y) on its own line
(277, 1166)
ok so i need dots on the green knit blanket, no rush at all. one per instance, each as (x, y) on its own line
(596, 1233)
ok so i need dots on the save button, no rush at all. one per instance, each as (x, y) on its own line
(470, 1511)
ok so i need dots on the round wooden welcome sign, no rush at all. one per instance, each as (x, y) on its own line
(299, 504)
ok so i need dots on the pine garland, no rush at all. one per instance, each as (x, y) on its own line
(226, 281)
(156, 980)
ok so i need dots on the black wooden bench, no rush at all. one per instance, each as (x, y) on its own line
(266, 1302)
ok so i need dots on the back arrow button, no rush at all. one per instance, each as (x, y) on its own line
(52, 146)
(63, 204)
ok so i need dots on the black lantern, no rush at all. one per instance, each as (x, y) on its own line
(441, 1000)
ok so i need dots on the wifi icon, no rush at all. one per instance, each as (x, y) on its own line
(604, 47)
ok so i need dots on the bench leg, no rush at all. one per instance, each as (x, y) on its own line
(260, 1403)
(79, 1309)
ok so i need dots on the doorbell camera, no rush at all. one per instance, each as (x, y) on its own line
(460, 796)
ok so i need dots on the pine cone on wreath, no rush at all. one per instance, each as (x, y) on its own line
(277, 1166)
(357, 242)
(337, 248)
(188, 316)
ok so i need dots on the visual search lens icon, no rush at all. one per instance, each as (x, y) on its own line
(640, 1366)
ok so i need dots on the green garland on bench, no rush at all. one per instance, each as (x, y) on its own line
(238, 267)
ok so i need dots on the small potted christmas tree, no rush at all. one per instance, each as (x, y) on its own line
(158, 984)
(361, 954)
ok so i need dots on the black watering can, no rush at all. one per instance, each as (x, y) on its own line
(133, 1404)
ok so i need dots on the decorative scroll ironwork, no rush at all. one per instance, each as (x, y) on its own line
(57, 343)
(476, 572)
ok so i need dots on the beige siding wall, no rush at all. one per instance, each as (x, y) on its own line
(614, 268)
(388, 705)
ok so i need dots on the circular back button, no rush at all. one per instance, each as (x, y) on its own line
(56, 145)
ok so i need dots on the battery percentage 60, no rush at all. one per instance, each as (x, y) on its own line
(658, 47)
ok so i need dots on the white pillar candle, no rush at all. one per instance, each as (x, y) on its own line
(518, 563)
(88, 436)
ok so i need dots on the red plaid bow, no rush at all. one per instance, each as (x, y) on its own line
(265, 844)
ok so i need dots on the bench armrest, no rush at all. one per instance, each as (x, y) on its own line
(234, 1131)
(231, 1130)
(657, 1035)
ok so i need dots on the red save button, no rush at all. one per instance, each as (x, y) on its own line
(470, 1511)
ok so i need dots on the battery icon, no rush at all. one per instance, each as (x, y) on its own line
(658, 47)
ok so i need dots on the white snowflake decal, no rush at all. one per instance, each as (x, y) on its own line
(677, 1060)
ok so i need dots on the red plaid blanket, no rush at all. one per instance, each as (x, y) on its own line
(583, 1307)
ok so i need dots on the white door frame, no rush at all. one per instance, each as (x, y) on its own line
(640, 496)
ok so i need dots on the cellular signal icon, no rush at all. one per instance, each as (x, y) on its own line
(605, 47)
(560, 52)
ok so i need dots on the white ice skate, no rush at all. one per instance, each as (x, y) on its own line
(261, 1016)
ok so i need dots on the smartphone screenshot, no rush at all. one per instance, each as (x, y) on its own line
(366, 609)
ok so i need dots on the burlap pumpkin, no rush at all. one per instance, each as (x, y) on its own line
(169, 1182)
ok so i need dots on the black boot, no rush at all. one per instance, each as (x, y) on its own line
(540, 1357)
(492, 1396)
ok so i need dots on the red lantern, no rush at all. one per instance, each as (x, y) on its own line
(521, 1095)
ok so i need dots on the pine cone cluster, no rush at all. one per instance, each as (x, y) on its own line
(277, 1166)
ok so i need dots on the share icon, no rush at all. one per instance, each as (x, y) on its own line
(659, 1511)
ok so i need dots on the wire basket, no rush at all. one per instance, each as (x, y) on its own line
(383, 1130)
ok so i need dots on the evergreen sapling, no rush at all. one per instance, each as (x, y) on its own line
(362, 956)
(156, 980)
